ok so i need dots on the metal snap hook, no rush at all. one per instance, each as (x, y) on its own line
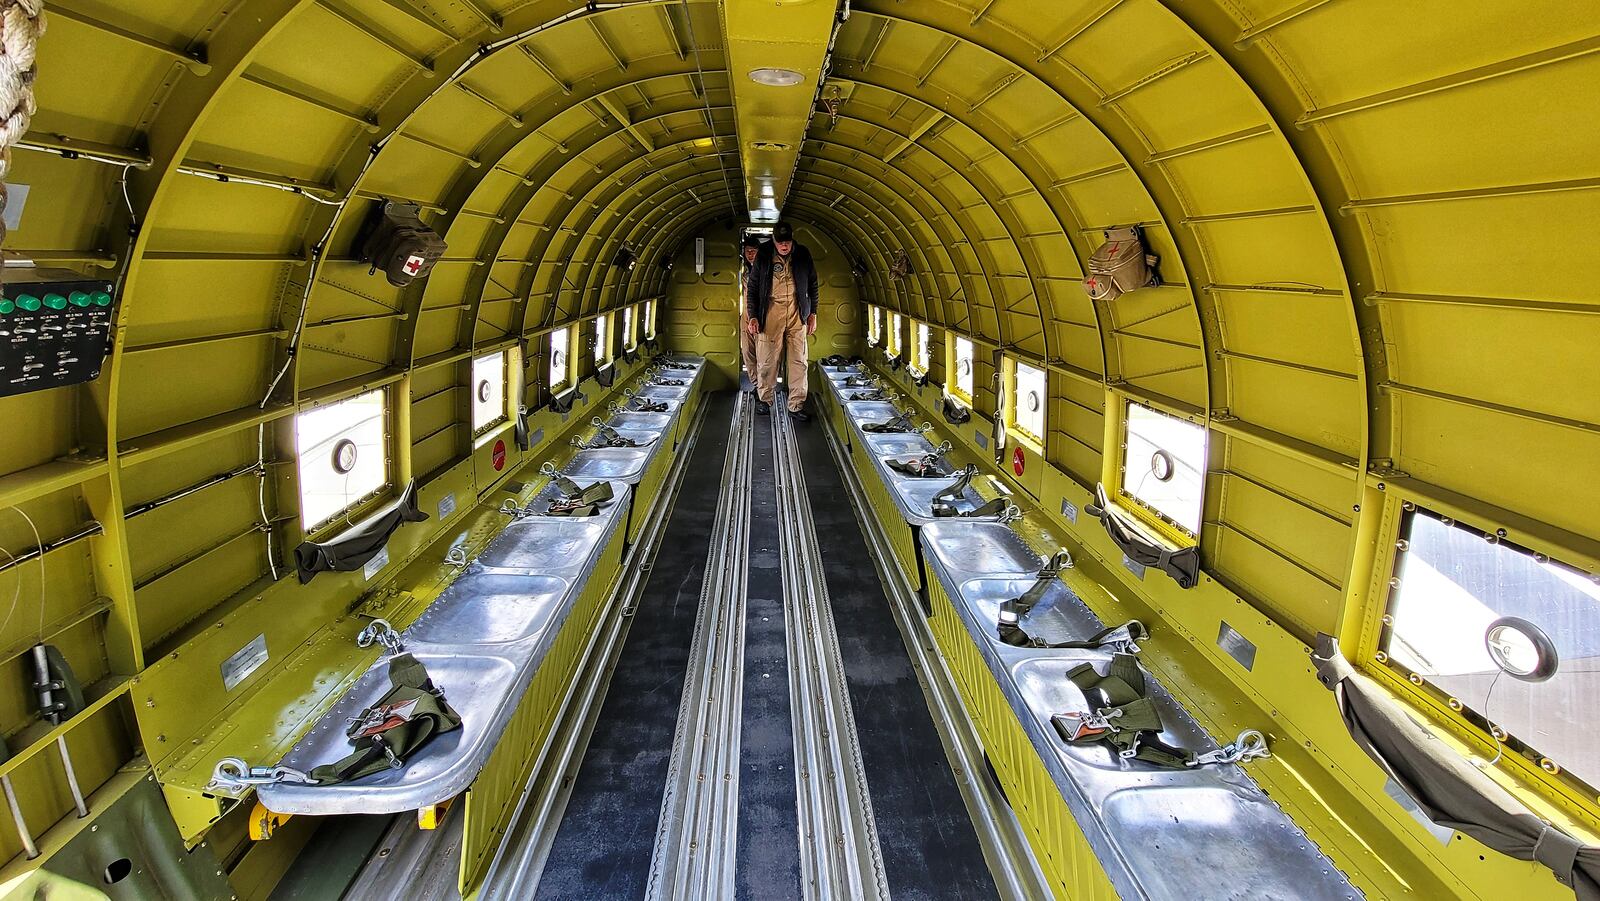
(456, 556)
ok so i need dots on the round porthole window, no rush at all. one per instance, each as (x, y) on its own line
(483, 391)
(966, 367)
(1162, 466)
(344, 456)
(1033, 401)
(1521, 649)
(560, 359)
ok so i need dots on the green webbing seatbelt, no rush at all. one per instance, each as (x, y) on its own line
(1126, 718)
(576, 501)
(943, 503)
(651, 406)
(900, 423)
(1012, 611)
(922, 467)
(400, 724)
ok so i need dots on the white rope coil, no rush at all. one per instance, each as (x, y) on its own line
(22, 23)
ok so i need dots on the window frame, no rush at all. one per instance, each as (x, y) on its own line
(556, 386)
(1014, 403)
(1163, 524)
(874, 325)
(921, 341)
(1569, 796)
(647, 318)
(368, 500)
(504, 414)
(953, 377)
(602, 340)
(630, 330)
(895, 344)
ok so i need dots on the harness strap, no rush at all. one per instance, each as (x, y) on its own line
(921, 467)
(400, 724)
(944, 500)
(1128, 721)
(900, 423)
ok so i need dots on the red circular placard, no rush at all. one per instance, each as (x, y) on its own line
(1018, 462)
(498, 457)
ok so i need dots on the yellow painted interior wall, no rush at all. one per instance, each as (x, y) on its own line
(1378, 227)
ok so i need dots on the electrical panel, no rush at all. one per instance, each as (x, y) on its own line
(55, 328)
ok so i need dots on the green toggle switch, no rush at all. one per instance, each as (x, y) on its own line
(55, 301)
(102, 299)
(78, 298)
(7, 307)
(28, 302)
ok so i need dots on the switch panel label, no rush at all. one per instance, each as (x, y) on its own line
(1133, 566)
(1238, 647)
(244, 661)
(376, 564)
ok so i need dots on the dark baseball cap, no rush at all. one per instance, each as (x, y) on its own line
(783, 231)
(751, 240)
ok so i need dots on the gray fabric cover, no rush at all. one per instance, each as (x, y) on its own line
(1449, 789)
(1183, 564)
(351, 551)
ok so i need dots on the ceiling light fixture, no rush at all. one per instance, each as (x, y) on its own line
(778, 78)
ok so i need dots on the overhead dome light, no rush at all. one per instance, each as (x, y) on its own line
(778, 78)
(773, 146)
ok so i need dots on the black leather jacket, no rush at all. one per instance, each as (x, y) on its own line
(758, 289)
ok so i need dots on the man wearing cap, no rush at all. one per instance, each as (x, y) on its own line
(782, 306)
(747, 341)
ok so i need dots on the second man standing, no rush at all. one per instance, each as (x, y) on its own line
(781, 303)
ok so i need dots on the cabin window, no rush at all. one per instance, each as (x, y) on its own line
(560, 361)
(959, 380)
(1464, 599)
(1163, 468)
(1028, 400)
(602, 350)
(628, 342)
(919, 346)
(648, 319)
(343, 455)
(894, 334)
(874, 326)
(488, 392)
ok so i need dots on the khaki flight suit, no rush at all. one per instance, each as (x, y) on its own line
(747, 341)
(785, 331)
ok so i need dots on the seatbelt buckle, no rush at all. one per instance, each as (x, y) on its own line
(1079, 726)
(374, 721)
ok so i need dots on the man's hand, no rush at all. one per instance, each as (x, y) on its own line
(753, 327)
(811, 325)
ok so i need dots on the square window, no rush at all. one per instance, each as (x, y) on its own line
(960, 377)
(874, 326)
(1164, 466)
(627, 327)
(1462, 598)
(602, 350)
(343, 454)
(488, 391)
(560, 345)
(649, 318)
(919, 346)
(894, 334)
(1028, 400)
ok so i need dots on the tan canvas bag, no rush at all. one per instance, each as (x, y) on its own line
(1120, 265)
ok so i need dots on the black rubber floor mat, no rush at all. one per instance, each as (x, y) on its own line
(603, 846)
(929, 847)
(768, 861)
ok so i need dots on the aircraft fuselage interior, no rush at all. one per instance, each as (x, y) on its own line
(732, 450)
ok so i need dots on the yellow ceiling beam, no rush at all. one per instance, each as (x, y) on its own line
(775, 41)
